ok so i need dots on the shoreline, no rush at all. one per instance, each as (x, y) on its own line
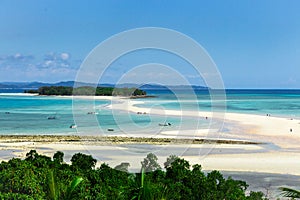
(284, 132)
(238, 157)
(260, 156)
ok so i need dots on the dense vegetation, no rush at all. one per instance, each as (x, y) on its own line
(87, 90)
(42, 177)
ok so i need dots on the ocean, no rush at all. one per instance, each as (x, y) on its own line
(280, 103)
(28, 115)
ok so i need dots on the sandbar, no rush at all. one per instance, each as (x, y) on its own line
(251, 143)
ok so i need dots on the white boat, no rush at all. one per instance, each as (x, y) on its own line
(165, 124)
(73, 126)
(92, 113)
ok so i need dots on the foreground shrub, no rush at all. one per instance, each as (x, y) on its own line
(42, 177)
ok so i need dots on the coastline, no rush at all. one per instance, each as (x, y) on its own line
(284, 132)
(238, 157)
(279, 155)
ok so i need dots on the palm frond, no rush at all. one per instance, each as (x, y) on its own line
(72, 186)
(289, 192)
(53, 192)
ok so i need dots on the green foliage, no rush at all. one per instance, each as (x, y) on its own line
(122, 167)
(58, 157)
(73, 185)
(53, 191)
(289, 192)
(87, 91)
(40, 177)
(23, 177)
(15, 196)
(83, 162)
(169, 161)
(256, 196)
(55, 90)
(143, 189)
(150, 163)
(127, 92)
(31, 91)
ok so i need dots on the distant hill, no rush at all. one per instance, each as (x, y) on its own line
(36, 85)
(17, 85)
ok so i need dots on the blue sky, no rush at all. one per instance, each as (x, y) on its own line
(254, 43)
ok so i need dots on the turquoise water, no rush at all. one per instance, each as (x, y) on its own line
(29, 114)
(282, 103)
(21, 114)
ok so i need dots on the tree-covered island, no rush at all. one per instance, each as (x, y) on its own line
(88, 91)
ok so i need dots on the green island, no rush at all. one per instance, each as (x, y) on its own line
(88, 91)
(42, 177)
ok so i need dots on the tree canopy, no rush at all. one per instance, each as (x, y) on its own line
(87, 91)
(42, 177)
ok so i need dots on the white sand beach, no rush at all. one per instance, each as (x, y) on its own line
(281, 132)
(284, 132)
(280, 152)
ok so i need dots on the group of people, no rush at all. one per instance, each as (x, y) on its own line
(139, 113)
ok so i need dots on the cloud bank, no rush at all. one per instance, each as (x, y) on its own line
(51, 67)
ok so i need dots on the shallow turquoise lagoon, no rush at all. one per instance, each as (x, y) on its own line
(21, 114)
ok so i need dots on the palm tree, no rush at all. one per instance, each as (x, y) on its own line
(53, 190)
(72, 187)
(144, 188)
(289, 192)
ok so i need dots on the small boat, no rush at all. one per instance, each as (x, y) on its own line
(73, 126)
(51, 117)
(7, 112)
(110, 129)
(92, 113)
(165, 124)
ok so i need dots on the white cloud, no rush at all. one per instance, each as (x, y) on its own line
(48, 63)
(17, 55)
(64, 56)
(55, 60)
(18, 61)
(53, 66)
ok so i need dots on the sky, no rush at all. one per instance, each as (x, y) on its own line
(254, 43)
